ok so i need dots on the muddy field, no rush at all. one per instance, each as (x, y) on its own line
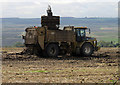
(101, 67)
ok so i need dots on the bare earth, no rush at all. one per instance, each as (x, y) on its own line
(102, 67)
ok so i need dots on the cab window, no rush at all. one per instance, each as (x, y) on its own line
(82, 32)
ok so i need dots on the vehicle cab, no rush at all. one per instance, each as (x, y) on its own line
(80, 33)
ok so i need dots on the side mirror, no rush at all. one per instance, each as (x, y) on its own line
(89, 31)
(23, 37)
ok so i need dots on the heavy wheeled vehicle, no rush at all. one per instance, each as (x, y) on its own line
(49, 40)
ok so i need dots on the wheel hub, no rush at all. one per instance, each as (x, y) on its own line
(87, 50)
(52, 51)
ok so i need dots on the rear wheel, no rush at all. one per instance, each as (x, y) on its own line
(52, 50)
(87, 49)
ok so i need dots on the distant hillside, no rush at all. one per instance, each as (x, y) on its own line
(13, 28)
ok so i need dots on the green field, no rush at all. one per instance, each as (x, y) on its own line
(106, 36)
(101, 28)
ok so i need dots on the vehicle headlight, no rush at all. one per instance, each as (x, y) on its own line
(95, 43)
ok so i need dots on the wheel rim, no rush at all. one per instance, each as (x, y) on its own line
(52, 51)
(87, 49)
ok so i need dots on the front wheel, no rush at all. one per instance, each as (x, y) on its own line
(52, 50)
(87, 49)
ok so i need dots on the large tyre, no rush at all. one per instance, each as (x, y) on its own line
(52, 50)
(87, 49)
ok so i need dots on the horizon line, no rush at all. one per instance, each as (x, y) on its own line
(60, 17)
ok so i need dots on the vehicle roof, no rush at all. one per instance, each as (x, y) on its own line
(80, 27)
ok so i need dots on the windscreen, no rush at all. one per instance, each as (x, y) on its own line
(80, 32)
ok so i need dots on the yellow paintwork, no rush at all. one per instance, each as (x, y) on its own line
(42, 32)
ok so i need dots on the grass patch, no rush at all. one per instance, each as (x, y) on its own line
(75, 70)
(36, 71)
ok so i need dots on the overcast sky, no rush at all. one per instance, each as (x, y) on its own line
(64, 8)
